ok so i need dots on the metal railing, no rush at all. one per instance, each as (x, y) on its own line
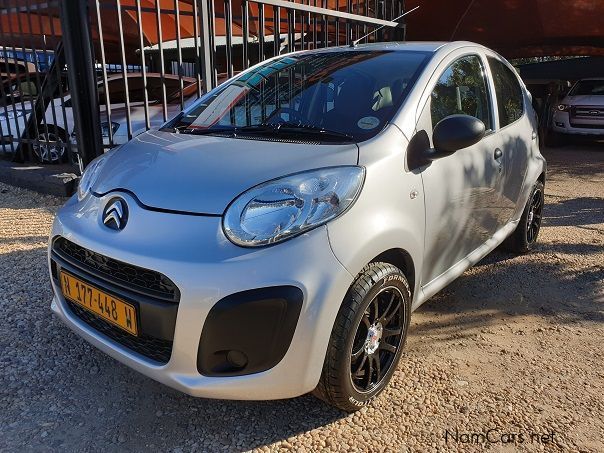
(134, 64)
(34, 120)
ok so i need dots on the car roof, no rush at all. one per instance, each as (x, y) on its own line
(408, 46)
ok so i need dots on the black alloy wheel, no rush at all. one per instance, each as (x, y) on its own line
(377, 339)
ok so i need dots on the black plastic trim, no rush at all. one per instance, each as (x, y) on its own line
(156, 317)
(170, 296)
(249, 332)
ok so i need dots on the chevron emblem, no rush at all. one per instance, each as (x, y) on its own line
(115, 215)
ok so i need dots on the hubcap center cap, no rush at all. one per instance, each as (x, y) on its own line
(531, 217)
(374, 335)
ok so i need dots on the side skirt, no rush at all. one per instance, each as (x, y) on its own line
(462, 265)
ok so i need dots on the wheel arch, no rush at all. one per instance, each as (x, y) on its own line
(402, 260)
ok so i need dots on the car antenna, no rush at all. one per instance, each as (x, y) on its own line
(356, 41)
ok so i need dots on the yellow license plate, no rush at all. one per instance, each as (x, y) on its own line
(108, 307)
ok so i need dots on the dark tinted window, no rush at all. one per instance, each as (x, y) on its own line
(462, 89)
(510, 100)
(352, 92)
(588, 88)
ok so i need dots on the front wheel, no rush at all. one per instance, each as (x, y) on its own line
(367, 338)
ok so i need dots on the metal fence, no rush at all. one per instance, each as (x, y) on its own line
(134, 64)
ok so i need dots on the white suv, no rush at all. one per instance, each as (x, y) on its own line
(581, 112)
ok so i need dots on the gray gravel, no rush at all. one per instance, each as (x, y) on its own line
(515, 345)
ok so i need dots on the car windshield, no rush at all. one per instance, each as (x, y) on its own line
(342, 95)
(588, 88)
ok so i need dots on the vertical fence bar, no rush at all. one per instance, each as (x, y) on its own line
(162, 68)
(104, 71)
(20, 154)
(276, 30)
(47, 75)
(197, 44)
(59, 53)
(261, 26)
(39, 85)
(291, 39)
(124, 68)
(5, 96)
(245, 18)
(179, 52)
(77, 40)
(208, 73)
(228, 19)
(212, 22)
(141, 44)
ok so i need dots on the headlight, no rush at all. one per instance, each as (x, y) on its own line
(89, 177)
(105, 128)
(282, 208)
(563, 107)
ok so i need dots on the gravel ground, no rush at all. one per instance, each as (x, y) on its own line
(514, 346)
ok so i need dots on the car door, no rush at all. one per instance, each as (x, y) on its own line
(460, 191)
(517, 134)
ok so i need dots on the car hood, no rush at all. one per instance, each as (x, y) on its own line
(203, 174)
(593, 101)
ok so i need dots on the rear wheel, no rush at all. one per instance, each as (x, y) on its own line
(367, 338)
(525, 237)
(50, 146)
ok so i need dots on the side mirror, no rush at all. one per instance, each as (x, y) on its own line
(456, 132)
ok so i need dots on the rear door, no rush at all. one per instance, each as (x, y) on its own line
(516, 132)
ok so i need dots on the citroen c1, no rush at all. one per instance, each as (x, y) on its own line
(275, 237)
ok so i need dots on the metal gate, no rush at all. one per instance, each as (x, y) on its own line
(78, 76)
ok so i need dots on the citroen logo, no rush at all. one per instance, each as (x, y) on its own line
(115, 214)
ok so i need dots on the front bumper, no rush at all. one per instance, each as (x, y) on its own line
(562, 124)
(194, 254)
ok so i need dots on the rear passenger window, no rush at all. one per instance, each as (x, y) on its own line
(462, 89)
(510, 100)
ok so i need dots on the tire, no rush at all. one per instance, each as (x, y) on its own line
(524, 238)
(51, 145)
(370, 329)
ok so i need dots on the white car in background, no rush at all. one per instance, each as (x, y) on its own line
(55, 133)
(581, 112)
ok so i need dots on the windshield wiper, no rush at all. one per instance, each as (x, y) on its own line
(299, 128)
(269, 129)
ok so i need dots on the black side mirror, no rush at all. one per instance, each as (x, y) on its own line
(456, 132)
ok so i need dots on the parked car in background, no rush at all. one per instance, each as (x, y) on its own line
(275, 237)
(581, 112)
(55, 133)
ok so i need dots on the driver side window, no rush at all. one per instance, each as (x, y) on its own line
(462, 89)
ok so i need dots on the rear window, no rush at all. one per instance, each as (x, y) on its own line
(588, 88)
(510, 100)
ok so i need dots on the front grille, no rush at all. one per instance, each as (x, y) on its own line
(587, 126)
(153, 348)
(144, 281)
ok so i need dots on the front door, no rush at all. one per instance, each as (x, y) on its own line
(461, 191)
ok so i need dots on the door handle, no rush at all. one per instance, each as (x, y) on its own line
(498, 154)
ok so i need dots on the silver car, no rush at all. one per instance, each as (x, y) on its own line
(275, 237)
